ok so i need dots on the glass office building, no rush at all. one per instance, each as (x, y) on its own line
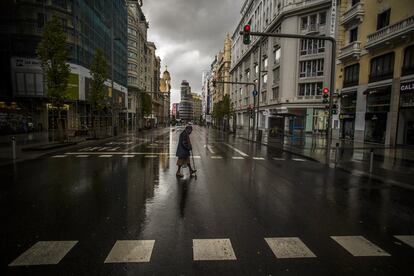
(89, 25)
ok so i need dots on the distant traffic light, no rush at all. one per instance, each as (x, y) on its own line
(246, 35)
(325, 95)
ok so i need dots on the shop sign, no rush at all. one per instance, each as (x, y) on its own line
(332, 26)
(407, 87)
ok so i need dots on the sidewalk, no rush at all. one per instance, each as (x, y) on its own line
(394, 165)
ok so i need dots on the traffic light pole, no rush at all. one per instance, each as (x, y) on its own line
(332, 81)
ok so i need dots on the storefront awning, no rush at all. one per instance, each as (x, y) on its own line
(378, 90)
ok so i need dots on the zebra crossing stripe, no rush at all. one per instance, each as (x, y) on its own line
(278, 159)
(82, 156)
(105, 156)
(213, 250)
(238, 158)
(406, 239)
(298, 159)
(44, 253)
(216, 157)
(285, 248)
(59, 156)
(258, 158)
(358, 246)
(131, 251)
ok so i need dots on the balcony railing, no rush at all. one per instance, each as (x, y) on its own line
(393, 31)
(355, 13)
(312, 28)
(352, 50)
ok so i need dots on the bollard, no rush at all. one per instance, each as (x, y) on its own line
(371, 161)
(14, 147)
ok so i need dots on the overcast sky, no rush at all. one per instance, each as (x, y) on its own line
(188, 34)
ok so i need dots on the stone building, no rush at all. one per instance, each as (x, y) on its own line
(186, 103)
(375, 74)
(197, 106)
(293, 72)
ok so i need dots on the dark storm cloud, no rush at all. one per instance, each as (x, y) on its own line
(189, 33)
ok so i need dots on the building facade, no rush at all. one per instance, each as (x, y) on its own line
(165, 88)
(89, 26)
(197, 106)
(292, 72)
(186, 103)
(137, 66)
(375, 74)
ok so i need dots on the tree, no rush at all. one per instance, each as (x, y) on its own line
(223, 110)
(53, 56)
(99, 73)
(146, 104)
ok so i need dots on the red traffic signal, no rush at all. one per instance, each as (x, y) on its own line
(246, 35)
(325, 90)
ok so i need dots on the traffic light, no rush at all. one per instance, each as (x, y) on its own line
(325, 95)
(334, 109)
(246, 35)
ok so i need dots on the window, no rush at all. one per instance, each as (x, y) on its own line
(351, 75)
(132, 55)
(408, 65)
(265, 79)
(322, 18)
(353, 35)
(311, 68)
(382, 67)
(383, 19)
(132, 31)
(277, 55)
(247, 75)
(310, 89)
(265, 62)
(275, 93)
(132, 66)
(276, 75)
(303, 22)
(311, 46)
(264, 96)
(256, 69)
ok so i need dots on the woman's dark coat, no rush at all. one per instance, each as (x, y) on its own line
(184, 146)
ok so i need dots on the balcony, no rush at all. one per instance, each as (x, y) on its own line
(350, 51)
(354, 15)
(392, 33)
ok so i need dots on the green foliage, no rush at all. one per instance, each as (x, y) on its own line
(146, 104)
(99, 75)
(53, 56)
(223, 108)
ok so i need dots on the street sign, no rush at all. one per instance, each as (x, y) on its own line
(254, 93)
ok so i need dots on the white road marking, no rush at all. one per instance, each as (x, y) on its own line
(285, 248)
(59, 156)
(358, 246)
(105, 148)
(85, 149)
(44, 253)
(117, 153)
(95, 148)
(132, 251)
(105, 156)
(128, 156)
(151, 156)
(197, 157)
(298, 159)
(213, 250)
(278, 159)
(406, 239)
(114, 149)
(258, 158)
(238, 158)
(82, 156)
(210, 149)
(216, 157)
(237, 150)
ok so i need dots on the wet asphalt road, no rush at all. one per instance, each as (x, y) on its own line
(126, 190)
